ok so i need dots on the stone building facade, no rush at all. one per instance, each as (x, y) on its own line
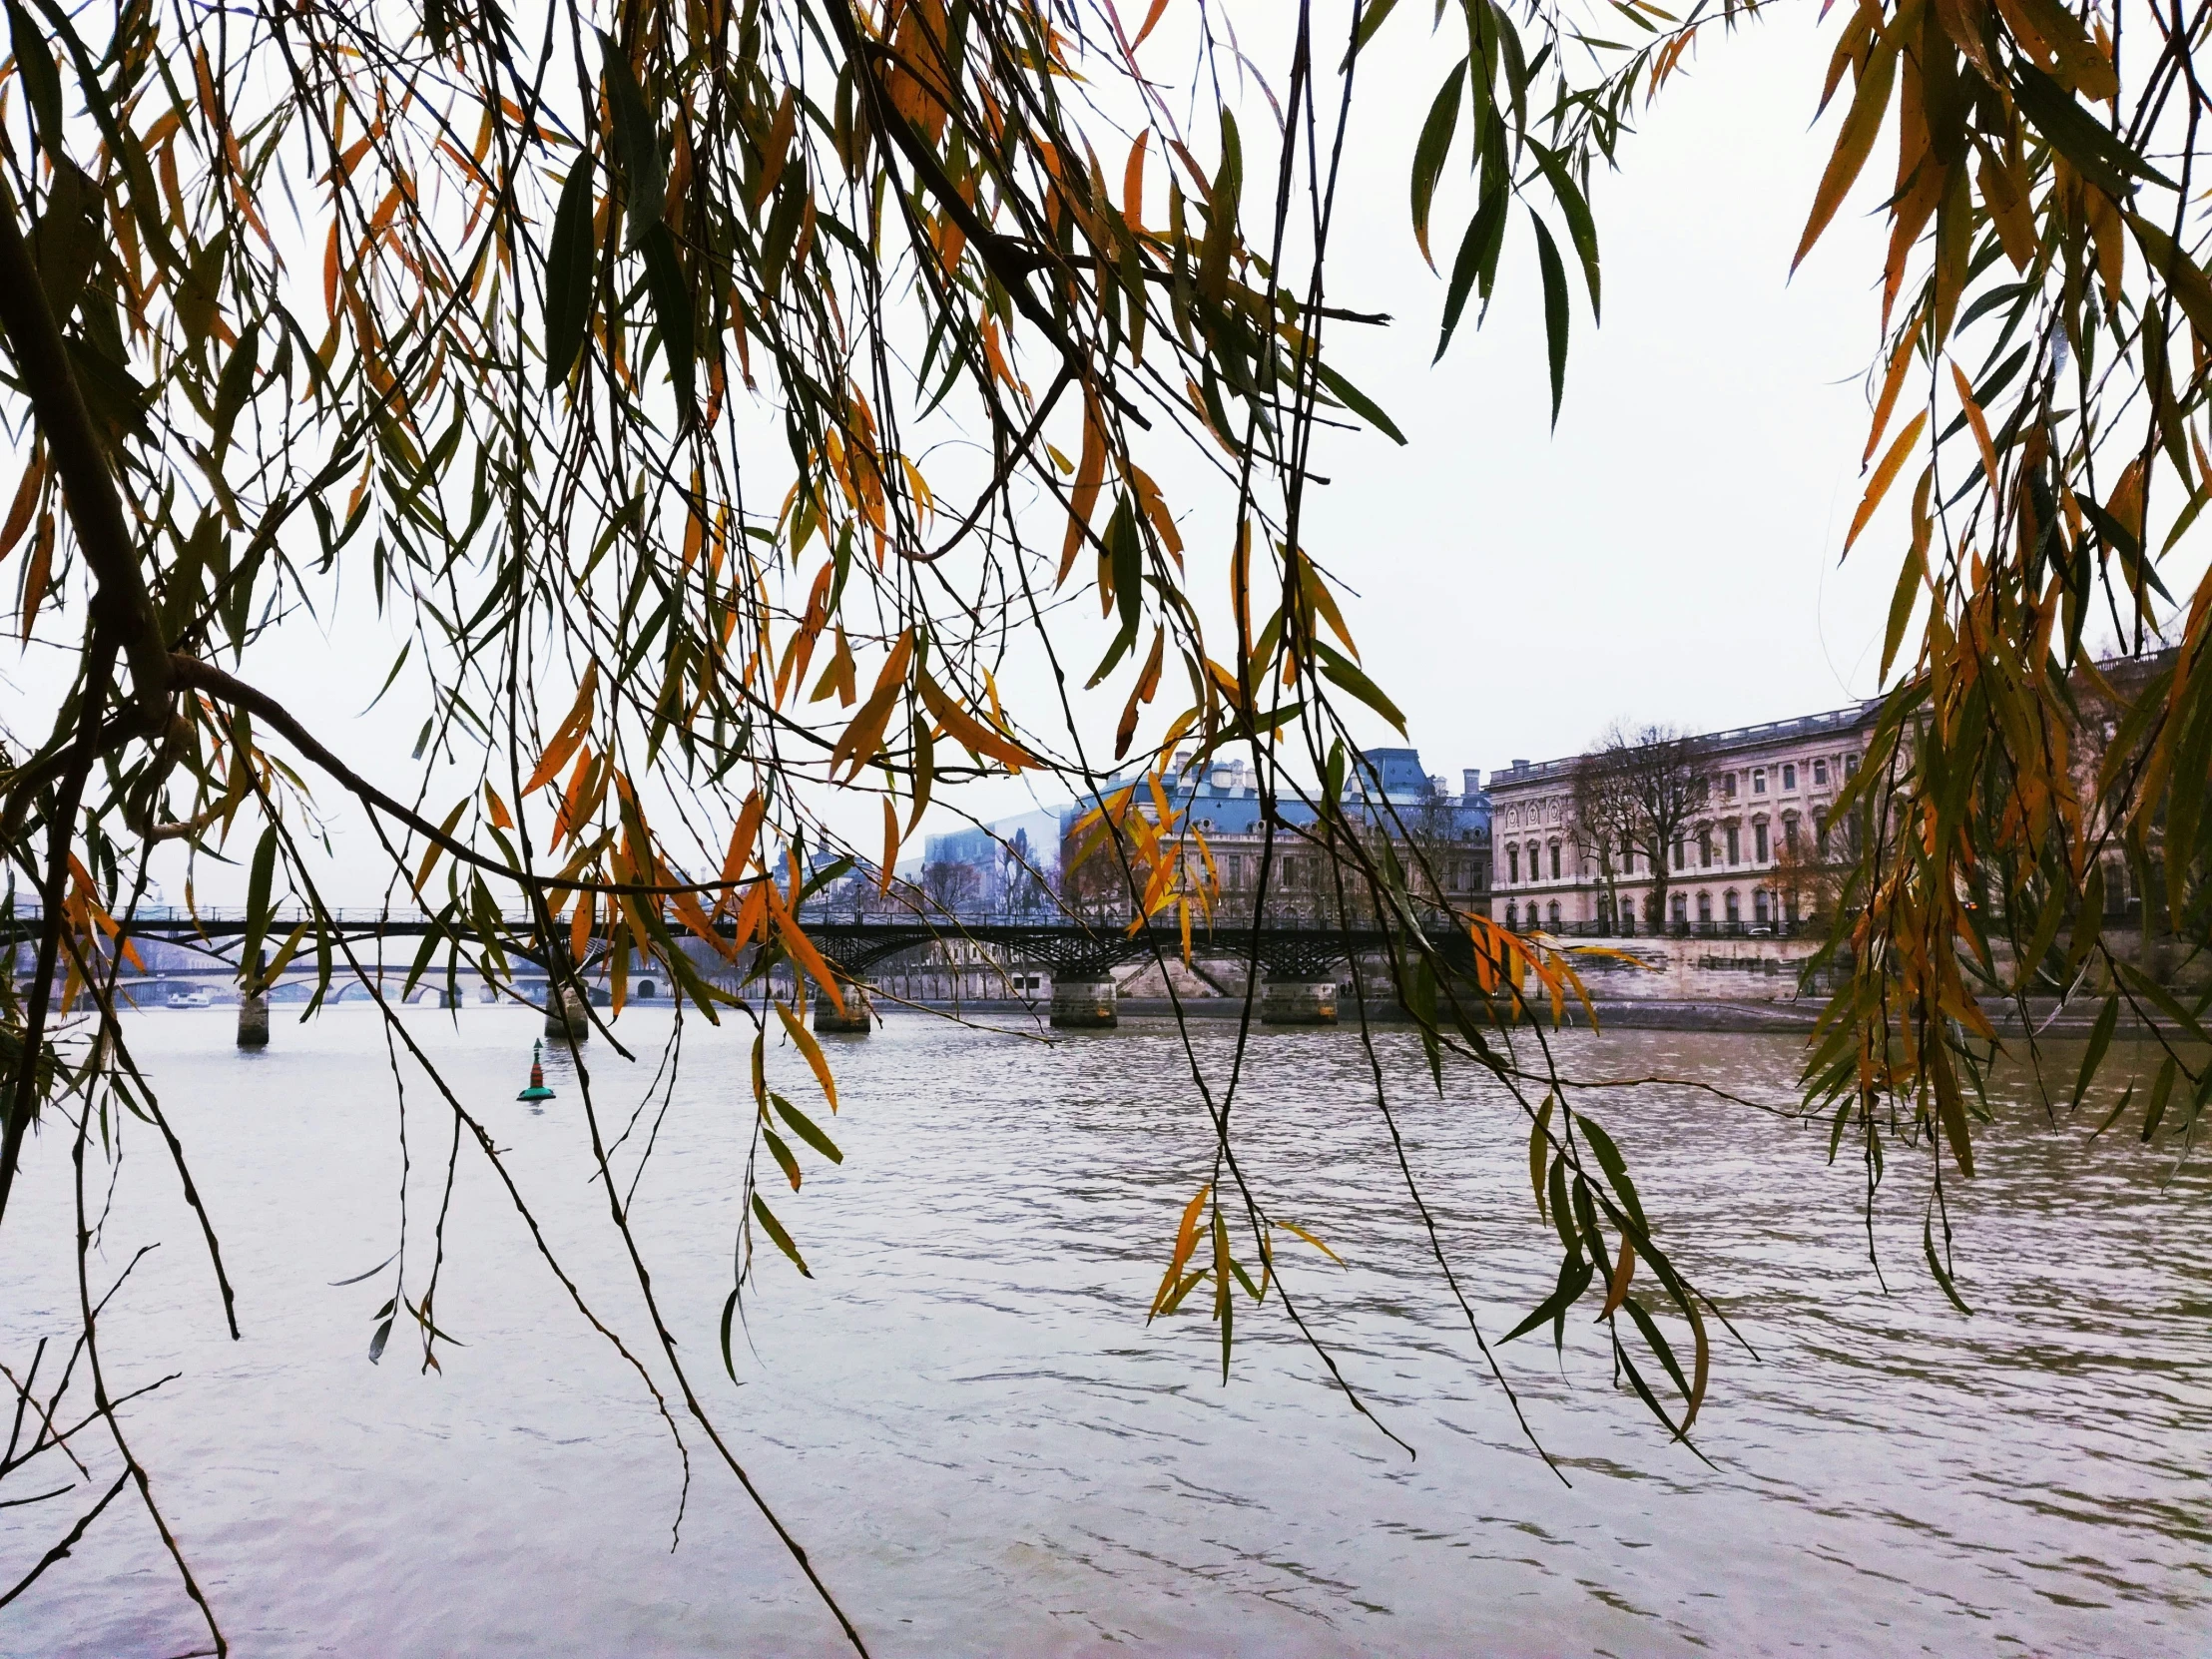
(1746, 863)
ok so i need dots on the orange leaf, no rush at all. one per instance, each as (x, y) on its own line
(1884, 475)
(1980, 426)
(812, 1050)
(26, 498)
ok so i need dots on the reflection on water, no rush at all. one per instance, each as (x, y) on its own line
(965, 1418)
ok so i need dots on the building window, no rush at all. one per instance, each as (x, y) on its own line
(1850, 764)
(1705, 850)
(1512, 915)
(1680, 853)
(1820, 773)
(1705, 909)
(1728, 786)
(1555, 869)
(1628, 918)
(1758, 779)
(1789, 777)
(1535, 868)
(1734, 915)
(1820, 835)
(1734, 844)
(1512, 864)
(1759, 844)
(1553, 914)
(1681, 911)
(1789, 834)
(1759, 906)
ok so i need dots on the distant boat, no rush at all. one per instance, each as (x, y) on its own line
(190, 1000)
(537, 1089)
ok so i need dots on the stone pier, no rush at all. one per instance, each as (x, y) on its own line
(1298, 1002)
(253, 1007)
(565, 1012)
(1085, 1004)
(858, 1018)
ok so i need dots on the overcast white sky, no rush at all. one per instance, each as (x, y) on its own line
(1669, 553)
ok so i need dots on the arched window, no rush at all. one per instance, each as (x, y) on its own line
(1628, 919)
(1512, 914)
(1705, 909)
(1681, 910)
(1735, 913)
(1553, 914)
(1759, 911)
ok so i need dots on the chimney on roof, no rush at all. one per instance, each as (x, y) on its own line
(1521, 766)
(1471, 780)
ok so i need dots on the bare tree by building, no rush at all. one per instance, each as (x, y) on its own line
(1658, 773)
(1604, 829)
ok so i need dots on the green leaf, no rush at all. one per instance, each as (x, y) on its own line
(1616, 1169)
(775, 1230)
(2101, 1039)
(1581, 229)
(42, 81)
(2160, 1092)
(1556, 309)
(671, 308)
(1477, 249)
(636, 141)
(1935, 1266)
(1345, 673)
(1429, 154)
(781, 1151)
(1574, 1278)
(1539, 1150)
(1370, 21)
(258, 882)
(2095, 152)
(808, 1130)
(569, 269)
(729, 1318)
(1358, 402)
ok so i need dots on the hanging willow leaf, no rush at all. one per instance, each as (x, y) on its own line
(569, 272)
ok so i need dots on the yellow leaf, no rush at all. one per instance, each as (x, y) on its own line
(1861, 124)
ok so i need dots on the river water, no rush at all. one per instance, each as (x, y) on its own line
(965, 1418)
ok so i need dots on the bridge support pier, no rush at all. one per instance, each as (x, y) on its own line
(858, 1018)
(565, 1014)
(1085, 1004)
(253, 1007)
(1298, 1001)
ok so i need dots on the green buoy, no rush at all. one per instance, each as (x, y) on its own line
(537, 1089)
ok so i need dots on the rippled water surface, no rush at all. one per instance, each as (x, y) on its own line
(967, 1420)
